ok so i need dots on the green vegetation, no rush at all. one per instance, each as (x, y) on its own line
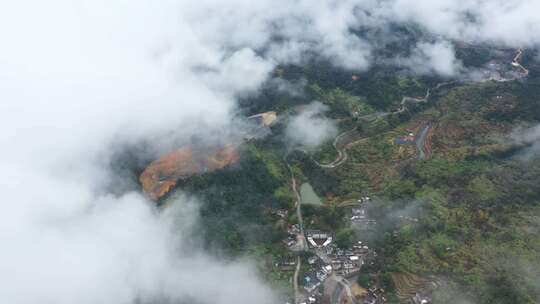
(381, 86)
(364, 280)
(469, 200)
(344, 238)
(468, 215)
(326, 153)
(342, 103)
(239, 197)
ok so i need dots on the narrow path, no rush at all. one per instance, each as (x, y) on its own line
(300, 237)
(296, 194)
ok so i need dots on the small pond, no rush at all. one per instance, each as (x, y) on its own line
(308, 195)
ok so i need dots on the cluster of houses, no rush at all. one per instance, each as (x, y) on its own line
(318, 239)
(349, 261)
(342, 262)
(358, 214)
(360, 218)
(408, 219)
(311, 282)
(328, 259)
(282, 213)
(420, 298)
(286, 264)
(375, 296)
(321, 241)
(405, 140)
(500, 71)
(312, 299)
(292, 237)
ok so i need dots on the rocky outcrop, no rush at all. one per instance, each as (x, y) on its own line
(163, 174)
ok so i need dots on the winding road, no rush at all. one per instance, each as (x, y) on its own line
(517, 62)
(344, 140)
(341, 146)
(341, 143)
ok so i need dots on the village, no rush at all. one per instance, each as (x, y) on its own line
(327, 273)
(330, 272)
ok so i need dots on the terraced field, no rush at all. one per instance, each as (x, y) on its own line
(407, 285)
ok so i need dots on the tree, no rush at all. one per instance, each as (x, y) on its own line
(345, 238)
(364, 280)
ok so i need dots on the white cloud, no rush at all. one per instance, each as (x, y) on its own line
(513, 23)
(286, 29)
(529, 137)
(242, 72)
(116, 250)
(310, 128)
(433, 58)
(76, 80)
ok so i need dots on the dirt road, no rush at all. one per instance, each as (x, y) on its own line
(300, 237)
